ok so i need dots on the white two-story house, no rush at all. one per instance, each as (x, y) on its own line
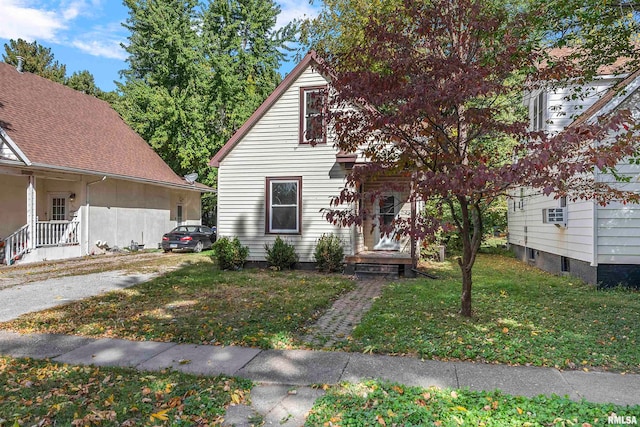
(599, 244)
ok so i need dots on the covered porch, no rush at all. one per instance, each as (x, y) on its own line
(39, 215)
(379, 253)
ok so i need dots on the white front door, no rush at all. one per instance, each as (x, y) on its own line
(58, 207)
(387, 208)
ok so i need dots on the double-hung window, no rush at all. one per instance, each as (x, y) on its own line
(538, 113)
(284, 199)
(312, 115)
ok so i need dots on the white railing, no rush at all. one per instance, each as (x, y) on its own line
(16, 244)
(57, 233)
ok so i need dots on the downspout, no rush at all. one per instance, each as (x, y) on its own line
(88, 210)
(31, 212)
(594, 249)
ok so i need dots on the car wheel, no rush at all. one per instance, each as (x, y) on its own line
(166, 250)
(198, 247)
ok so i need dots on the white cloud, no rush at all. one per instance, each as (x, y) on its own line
(294, 9)
(102, 48)
(71, 9)
(21, 21)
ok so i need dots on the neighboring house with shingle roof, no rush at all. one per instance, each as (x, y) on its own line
(599, 244)
(74, 174)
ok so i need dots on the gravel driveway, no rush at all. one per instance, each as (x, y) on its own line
(36, 296)
(33, 287)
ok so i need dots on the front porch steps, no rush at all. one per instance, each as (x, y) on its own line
(380, 264)
(372, 271)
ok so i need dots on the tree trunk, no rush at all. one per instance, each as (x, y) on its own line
(465, 299)
(470, 228)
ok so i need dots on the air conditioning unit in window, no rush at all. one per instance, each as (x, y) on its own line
(557, 216)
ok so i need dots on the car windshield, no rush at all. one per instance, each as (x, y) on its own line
(185, 229)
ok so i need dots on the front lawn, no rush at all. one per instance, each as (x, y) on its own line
(199, 304)
(521, 316)
(384, 404)
(44, 393)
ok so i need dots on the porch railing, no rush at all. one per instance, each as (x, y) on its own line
(57, 233)
(15, 245)
(48, 233)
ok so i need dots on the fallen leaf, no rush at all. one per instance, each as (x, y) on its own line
(160, 415)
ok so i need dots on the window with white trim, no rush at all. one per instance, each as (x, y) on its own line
(538, 113)
(284, 199)
(312, 115)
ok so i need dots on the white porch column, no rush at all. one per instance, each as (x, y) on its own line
(31, 212)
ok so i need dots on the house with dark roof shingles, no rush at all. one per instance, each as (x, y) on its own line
(598, 244)
(76, 179)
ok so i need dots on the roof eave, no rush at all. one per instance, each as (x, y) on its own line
(610, 100)
(14, 147)
(201, 188)
(264, 107)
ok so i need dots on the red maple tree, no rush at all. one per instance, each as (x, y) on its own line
(428, 98)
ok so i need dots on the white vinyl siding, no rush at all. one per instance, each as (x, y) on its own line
(526, 226)
(562, 106)
(619, 224)
(527, 229)
(271, 148)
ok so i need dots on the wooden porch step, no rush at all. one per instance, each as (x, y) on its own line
(391, 271)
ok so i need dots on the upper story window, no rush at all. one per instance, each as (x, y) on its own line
(284, 205)
(313, 103)
(538, 111)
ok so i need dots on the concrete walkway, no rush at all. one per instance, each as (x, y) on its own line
(283, 395)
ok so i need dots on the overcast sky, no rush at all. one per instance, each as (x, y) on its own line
(86, 34)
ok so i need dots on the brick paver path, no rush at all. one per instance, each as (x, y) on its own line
(345, 313)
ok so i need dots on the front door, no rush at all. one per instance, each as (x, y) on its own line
(387, 208)
(58, 207)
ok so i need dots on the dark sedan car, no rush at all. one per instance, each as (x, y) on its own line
(190, 237)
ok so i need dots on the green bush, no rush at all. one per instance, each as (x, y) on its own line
(230, 254)
(329, 253)
(282, 255)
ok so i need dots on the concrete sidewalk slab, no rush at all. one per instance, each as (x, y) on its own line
(405, 370)
(296, 367)
(605, 387)
(516, 380)
(39, 346)
(202, 359)
(114, 352)
(293, 409)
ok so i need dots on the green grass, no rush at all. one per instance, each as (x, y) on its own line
(521, 315)
(46, 393)
(384, 404)
(199, 304)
